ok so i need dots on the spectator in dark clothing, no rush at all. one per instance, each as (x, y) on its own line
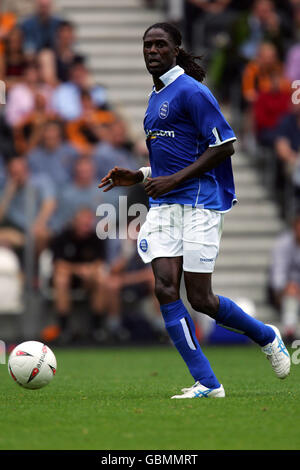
(40, 29)
(129, 275)
(79, 260)
(287, 146)
(207, 12)
(288, 137)
(64, 50)
(285, 277)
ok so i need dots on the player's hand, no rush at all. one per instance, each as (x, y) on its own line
(155, 187)
(120, 177)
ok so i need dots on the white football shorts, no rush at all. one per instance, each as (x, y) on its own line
(179, 230)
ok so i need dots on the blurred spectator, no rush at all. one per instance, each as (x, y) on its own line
(287, 143)
(79, 261)
(249, 29)
(13, 60)
(82, 191)
(268, 109)
(7, 22)
(287, 146)
(54, 155)
(129, 278)
(285, 277)
(292, 62)
(207, 12)
(258, 74)
(27, 133)
(263, 23)
(47, 71)
(64, 50)
(113, 149)
(296, 22)
(40, 29)
(27, 204)
(82, 132)
(7, 144)
(263, 84)
(67, 97)
(21, 99)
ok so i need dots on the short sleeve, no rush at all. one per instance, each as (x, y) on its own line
(208, 119)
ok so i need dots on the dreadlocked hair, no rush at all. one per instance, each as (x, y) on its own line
(184, 59)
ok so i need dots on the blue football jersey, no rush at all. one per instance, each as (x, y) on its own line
(182, 120)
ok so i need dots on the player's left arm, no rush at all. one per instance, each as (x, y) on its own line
(211, 158)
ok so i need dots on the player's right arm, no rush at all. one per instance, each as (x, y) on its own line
(121, 177)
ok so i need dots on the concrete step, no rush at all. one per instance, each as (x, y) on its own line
(238, 262)
(135, 79)
(99, 17)
(239, 159)
(266, 314)
(99, 4)
(247, 246)
(257, 293)
(128, 96)
(247, 178)
(99, 50)
(252, 227)
(122, 64)
(107, 33)
(240, 279)
(255, 193)
(249, 210)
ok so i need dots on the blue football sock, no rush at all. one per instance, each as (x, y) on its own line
(230, 315)
(181, 329)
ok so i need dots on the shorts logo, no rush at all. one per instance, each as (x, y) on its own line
(164, 110)
(144, 245)
(207, 260)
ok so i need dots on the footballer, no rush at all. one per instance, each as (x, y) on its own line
(190, 185)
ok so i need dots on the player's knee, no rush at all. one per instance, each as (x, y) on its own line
(205, 304)
(165, 291)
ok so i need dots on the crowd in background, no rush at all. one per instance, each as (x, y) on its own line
(59, 135)
(252, 49)
(252, 54)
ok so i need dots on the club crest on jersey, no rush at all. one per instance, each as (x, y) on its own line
(144, 245)
(164, 110)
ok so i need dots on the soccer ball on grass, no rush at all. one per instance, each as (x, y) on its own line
(32, 364)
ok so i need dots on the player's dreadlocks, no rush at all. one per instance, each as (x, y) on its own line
(186, 60)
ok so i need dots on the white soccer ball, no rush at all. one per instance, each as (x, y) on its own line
(32, 364)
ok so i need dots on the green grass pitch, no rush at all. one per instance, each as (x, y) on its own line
(120, 399)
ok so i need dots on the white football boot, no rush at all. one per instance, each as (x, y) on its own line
(198, 391)
(278, 355)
